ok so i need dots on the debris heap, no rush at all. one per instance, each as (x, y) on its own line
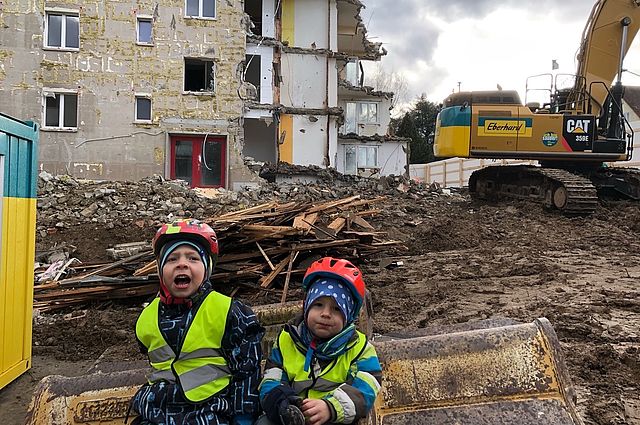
(268, 234)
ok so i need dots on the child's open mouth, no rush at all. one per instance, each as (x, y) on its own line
(182, 281)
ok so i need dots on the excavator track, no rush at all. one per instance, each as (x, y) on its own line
(554, 188)
(617, 182)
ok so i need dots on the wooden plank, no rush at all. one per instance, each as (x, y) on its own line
(73, 280)
(337, 224)
(274, 230)
(333, 204)
(363, 202)
(305, 221)
(247, 211)
(355, 219)
(267, 281)
(292, 258)
(266, 257)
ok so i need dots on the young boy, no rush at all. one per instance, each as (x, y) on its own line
(203, 346)
(321, 369)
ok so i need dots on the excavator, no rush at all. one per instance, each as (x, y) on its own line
(575, 135)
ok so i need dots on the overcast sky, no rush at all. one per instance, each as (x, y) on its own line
(437, 44)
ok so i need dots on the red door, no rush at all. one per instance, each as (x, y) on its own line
(200, 162)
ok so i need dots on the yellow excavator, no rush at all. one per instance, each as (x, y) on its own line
(573, 135)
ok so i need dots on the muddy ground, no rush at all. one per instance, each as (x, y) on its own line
(464, 261)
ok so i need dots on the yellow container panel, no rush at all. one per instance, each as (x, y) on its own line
(16, 286)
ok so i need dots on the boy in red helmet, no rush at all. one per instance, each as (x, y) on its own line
(321, 369)
(203, 347)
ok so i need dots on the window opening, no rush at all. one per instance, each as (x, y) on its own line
(61, 110)
(352, 69)
(211, 173)
(143, 108)
(201, 8)
(198, 75)
(253, 8)
(368, 113)
(145, 28)
(357, 157)
(252, 72)
(183, 161)
(350, 118)
(63, 31)
(350, 163)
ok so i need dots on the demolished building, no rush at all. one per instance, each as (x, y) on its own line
(187, 90)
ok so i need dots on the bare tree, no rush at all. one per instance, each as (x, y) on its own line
(389, 81)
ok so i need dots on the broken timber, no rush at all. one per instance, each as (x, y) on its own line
(263, 250)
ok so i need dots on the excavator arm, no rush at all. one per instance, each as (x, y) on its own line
(606, 38)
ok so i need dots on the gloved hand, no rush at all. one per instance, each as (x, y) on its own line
(282, 406)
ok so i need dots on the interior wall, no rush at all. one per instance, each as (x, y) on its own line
(259, 140)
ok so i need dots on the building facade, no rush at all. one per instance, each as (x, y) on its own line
(306, 103)
(189, 88)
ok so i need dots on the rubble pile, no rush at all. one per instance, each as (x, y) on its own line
(267, 233)
(64, 201)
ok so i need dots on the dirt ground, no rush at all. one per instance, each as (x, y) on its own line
(464, 261)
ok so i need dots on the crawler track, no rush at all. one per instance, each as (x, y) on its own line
(554, 188)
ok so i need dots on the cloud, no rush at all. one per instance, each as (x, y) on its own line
(435, 44)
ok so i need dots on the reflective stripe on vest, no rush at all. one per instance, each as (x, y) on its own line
(335, 373)
(200, 368)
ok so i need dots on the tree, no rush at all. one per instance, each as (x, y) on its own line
(419, 125)
(388, 81)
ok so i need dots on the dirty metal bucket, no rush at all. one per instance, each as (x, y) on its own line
(484, 373)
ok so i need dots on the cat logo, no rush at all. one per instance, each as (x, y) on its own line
(576, 126)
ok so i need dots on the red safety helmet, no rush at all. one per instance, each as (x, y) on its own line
(187, 229)
(342, 270)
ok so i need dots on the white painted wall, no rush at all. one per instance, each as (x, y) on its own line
(268, 18)
(310, 23)
(310, 139)
(304, 81)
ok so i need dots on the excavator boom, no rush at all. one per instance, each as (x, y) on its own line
(607, 36)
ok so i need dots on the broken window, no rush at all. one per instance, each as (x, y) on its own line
(62, 30)
(200, 8)
(144, 30)
(358, 157)
(198, 75)
(61, 110)
(253, 8)
(367, 156)
(252, 73)
(358, 114)
(143, 108)
(352, 72)
(350, 125)
(368, 113)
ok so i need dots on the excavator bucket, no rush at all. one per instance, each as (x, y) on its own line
(488, 372)
(102, 396)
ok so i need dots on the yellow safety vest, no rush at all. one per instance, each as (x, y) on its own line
(331, 377)
(200, 369)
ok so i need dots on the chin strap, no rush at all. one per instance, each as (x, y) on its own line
(309, 355)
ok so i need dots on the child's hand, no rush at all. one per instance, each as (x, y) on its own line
(316, 411)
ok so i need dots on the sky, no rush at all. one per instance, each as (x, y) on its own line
(440, 46)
